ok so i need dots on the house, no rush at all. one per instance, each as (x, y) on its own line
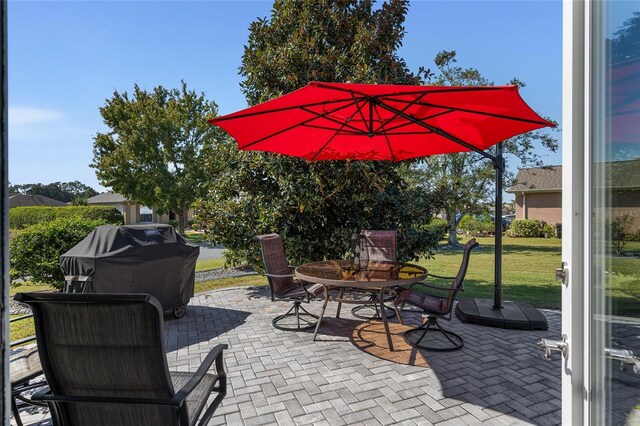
(133, 212)
(538, 192)
(23, 200)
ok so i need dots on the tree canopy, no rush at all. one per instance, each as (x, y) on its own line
(153, 151)
(317, 206)
(61, 191)
(465, 182)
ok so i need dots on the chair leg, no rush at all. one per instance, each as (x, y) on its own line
(373, 305)
(294, 311)
(14, 410)
(441, 339)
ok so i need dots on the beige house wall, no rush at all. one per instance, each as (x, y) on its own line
(546, 206)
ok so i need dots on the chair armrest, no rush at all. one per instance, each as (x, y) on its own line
(214, 355)
(278, 276)
(46, 396)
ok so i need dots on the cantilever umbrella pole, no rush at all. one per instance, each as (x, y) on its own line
(498, 164)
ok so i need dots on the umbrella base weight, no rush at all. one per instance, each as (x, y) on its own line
(512, 315)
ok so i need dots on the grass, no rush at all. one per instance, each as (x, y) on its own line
(21, 329)
(208, 264)
(248, 280)
(528, 273)
(528, 269)
(193, 236)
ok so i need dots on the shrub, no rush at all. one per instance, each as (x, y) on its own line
(527, 228)
(473, 225)
(619, 229)
(173, 223)
(34, 252)
(438, 227)
(22, 217)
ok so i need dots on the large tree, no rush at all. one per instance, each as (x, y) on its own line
(153, 151)
(465, 182)
(316, 206)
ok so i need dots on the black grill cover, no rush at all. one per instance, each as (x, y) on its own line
(150, 259)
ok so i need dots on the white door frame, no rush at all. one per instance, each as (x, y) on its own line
(575, 196)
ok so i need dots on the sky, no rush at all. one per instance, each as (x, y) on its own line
(67, 58)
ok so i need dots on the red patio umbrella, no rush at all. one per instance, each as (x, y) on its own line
(339, 121)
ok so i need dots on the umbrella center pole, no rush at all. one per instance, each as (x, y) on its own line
(498, 164)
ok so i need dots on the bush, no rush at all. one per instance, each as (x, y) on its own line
(34, 252)
(476, 225)
(173, 223)
(529, 228)
(438, 227)
(22, 217)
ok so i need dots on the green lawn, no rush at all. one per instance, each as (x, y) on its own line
(208, 264)
(193, 236)
(528, 269)
(528, 273)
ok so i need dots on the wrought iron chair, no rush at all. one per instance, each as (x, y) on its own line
(436, 306)
(103, 356)
(25, 373)
(374, 245)
(284, 286)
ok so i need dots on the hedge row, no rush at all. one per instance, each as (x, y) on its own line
(22, 217)
(530, 228)
(34, 252)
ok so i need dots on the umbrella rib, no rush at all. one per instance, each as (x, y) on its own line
(326, 117)
(472, 111)
(293, 126)
(384, 123)
(408, 123)
(275, 110)
(355, 102)
(330, 139)
(439, 131)
(344, 132)
(393, 157)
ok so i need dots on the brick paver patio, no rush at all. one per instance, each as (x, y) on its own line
(278, 377)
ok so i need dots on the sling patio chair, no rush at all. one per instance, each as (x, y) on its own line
(284, 286)
(103, 356)
(431, 335)
(374, 245)
(25, 372)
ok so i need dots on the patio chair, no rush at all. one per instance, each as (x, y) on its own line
(103, 356)
(436, 306)
(374, 245)
(25, 373)
(285, 287)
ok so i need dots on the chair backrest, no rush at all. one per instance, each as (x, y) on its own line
(103, 346)
(275, 263)
(462, 272)
(379, 245)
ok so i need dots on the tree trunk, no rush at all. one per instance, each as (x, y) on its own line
(182, 222)
(453, 235)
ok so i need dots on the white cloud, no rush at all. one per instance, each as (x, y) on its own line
(19, 115)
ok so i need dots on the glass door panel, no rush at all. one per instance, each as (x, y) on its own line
(614, 332)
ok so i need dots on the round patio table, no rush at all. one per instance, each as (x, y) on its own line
(378, 277)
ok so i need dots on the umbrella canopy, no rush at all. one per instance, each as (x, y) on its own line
(337, 121)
